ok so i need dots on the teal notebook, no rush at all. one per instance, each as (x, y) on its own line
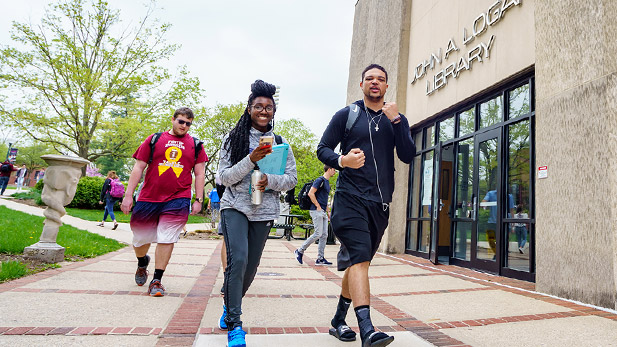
(275, 162)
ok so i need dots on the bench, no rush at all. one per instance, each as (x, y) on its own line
(287, 233)
(308, 228)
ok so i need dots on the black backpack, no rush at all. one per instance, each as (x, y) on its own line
(304, 201)
(5, 168)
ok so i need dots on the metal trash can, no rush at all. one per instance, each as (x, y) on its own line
(331, 238)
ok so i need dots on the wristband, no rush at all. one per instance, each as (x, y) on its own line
(340, 161)
(396, 119)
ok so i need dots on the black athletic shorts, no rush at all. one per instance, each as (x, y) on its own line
(359, 225)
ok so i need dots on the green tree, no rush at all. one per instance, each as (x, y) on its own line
(211, 126)
(79, 69)
(31, 155)
(304, 145)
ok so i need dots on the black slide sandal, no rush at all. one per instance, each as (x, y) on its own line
(343, 333)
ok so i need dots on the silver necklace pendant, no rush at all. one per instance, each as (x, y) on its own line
(377, 127)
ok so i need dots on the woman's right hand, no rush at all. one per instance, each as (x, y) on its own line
(100, 203)
(259, 153)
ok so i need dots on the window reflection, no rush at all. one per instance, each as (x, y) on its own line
(418, 140)
(430, 136)
(491, 112)
(412, 242)
(518, 244)
(416, 180)
(427, 184)
(464, 179)
(488, 175)
(466, 122)
(519, 101)
(462, 235)
(519, 164)
(446, 129)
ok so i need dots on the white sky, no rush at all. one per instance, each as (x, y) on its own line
(301, 46)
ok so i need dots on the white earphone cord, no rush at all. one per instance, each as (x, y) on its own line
(370, 134)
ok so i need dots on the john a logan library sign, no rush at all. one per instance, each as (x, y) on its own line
(470, 38)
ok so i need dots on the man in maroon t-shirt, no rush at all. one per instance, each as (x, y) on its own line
(162, 208)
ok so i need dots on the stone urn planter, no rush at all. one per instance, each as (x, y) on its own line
(60, 180)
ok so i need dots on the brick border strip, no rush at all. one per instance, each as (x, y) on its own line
(187, 319)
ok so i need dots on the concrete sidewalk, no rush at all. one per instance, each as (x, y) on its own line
(96, 302)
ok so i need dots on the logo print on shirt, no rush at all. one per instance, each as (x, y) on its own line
(173, 155)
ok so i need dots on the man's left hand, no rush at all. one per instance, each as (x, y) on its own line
(196, 207)
(390, 110)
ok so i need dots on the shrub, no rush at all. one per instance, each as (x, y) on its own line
(39, 186)
(88, 193)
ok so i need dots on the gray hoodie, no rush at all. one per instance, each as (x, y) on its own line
(237, 179)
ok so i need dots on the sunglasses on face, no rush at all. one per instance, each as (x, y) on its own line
(182, 122)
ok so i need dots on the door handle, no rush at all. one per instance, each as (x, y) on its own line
(475, 207)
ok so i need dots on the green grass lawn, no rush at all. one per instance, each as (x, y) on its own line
(19, 230)
(97, 216)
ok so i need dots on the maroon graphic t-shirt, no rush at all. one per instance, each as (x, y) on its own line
(168, 177)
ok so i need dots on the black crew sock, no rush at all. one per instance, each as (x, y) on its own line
(142, 261)
(363, 313)
(341, 312)
(158, 274)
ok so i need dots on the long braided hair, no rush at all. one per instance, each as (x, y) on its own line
(237, 143)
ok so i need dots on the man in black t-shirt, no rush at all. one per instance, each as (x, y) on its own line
(318, 194)
(360, 210)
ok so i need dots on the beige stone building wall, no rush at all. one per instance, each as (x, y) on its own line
(381, 36)
(576, 137)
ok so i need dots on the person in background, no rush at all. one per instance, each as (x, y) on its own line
(521, 229)
(6, 168)
(246, 226)
(214, 204)
(40, 175)
(318, 194)
(110, 201)
(21, 176)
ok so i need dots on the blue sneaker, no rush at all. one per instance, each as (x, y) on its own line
(222, 323)
(322, 261)
(235, 338)
(298, 256)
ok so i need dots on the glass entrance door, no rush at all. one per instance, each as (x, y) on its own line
(485, 238)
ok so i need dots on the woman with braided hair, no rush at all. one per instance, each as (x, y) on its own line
(246, 226)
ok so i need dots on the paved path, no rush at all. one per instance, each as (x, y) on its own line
(96, 302)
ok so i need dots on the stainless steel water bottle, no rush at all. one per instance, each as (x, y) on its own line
(256, 194)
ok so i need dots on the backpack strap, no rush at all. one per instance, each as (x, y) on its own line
(153, 141)
(352, 119)
(278, 139)
(198, 146)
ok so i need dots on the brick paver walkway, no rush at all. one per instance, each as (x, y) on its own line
(97, 302)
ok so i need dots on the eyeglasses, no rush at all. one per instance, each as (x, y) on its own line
(182, 122)
(260, 108)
